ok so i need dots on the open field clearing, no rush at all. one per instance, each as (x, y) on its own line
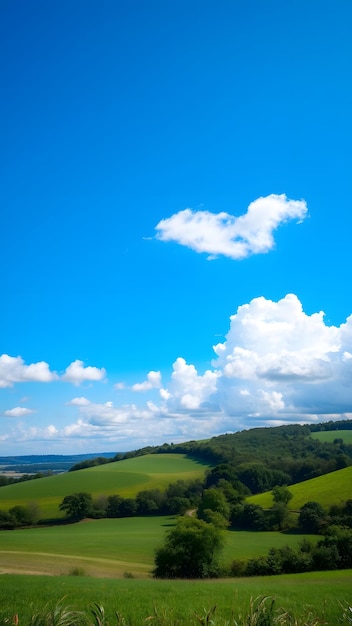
(333, 488)
(110, 547)
(176, 602)
(330, 435)
(125, 478)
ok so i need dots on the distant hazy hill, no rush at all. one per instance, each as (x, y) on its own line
(34, 463)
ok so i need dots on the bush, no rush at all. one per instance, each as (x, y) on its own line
(191, 550)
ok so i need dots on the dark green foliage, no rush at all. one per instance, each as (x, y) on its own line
(341, 515)
(113, 508)
(150, 501)
(128, 507)
(77, 506)
(258, 478)
(278, 516)
(224, 471)
(311, 517)
(191, 550)
(214, 500)
(99, 460)
(331, 553)
(121, 507)
(7, 521)
(249, 517)
(281, 494)
(25, 515)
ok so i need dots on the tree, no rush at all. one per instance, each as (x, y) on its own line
(191, 550)
(281, 494)
(114, 506)
(25, 515)
(214, 500)
(128, 507)
(150, 501)
(77, 506)
(311, 517)
(249, 517)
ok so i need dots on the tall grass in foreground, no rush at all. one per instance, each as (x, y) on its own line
(261, 611)
(317, 596)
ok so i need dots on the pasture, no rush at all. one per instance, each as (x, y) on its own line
(111, 547)
(333, 488)
(125, 478)
(318, 594)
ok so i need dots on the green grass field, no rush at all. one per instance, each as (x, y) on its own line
(110, 547)
(330, 435)
(333, 488)
(124, 477)
(176, 602)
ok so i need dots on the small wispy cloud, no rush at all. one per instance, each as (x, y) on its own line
(18, 411)
(234, 237)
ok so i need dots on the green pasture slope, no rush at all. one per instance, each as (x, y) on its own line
(318, 594)
(332, 488)
(111, 547)
(329, 435)
(125, 478)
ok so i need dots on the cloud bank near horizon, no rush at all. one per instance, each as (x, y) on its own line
(234, 237)
(277, 365)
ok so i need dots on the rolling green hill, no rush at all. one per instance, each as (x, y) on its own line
(333, 488)
(125, 478)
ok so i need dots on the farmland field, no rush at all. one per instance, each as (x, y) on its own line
(123, 477)
(333, 488)
(318, 593)
(110, 547)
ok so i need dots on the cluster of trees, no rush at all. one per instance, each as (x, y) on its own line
(192, 549)
(19, 516)
(177, 498)
(10, 480)
(334, 551)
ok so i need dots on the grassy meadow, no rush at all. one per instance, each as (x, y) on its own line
(330, 435)
(111, 547)
(333, 488)
(180, 602)
(125, 478)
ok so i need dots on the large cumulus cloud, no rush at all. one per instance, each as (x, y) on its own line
(234, 237)
(277, 364)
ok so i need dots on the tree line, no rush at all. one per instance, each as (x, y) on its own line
(283, 454)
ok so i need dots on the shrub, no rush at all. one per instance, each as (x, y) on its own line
(191, 550)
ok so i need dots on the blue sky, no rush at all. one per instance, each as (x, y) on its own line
(175, 220)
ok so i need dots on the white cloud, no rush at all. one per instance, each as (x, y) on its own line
(14, 370)
(76, 373)
(277, 341)
(153, 382)
(277, 365)
(82, 401)
(189, 390)
(292, 364)
(18, 411)
(225, 234)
